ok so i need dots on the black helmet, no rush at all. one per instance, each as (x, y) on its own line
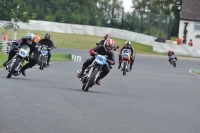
(47, 36)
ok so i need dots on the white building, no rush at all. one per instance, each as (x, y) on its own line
(189, 27)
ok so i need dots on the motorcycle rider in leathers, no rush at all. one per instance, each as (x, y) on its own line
(170, 53)
(33, 49)
(127, 46)
(106, 49)
(47, 42)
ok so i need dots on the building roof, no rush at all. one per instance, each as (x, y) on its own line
(190, 10)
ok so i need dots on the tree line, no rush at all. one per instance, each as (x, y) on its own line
(143, 17)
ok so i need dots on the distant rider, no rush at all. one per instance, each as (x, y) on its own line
(47, 42)
(170, 53)
(127, 46)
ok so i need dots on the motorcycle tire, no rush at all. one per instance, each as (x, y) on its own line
(124, 68)
(41, 62)
(91, 80)
(13, 69)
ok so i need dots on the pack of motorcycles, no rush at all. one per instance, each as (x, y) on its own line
(90, 75)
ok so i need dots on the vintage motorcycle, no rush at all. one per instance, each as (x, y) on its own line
(93, 71)
(125, 61)
(14, 66)
(43, 56)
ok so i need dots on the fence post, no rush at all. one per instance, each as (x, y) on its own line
(122, 22)
(133, 28)
(141, 24)
(169, 29)
(149, 23)
(160, 25)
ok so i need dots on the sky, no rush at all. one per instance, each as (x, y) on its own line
(127, 4)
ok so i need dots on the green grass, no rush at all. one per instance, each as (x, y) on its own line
(64, 40)
(60, 57)
(3, 58)
(197, 73)
(54, 57)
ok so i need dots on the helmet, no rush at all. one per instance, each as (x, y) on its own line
(30, 36)
(107, 36)
(169, 50)
(128, 44)
(108, 44)
(47, 36)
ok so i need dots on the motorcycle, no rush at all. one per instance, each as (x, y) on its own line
(43, 56)
(125, 61)
(14, 66)
(173, 60)
(93, 71)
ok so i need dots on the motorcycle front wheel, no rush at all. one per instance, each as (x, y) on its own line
(15, 64)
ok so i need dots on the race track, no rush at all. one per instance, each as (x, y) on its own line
(153, 98)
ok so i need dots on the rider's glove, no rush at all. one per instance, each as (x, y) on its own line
(92, 53)
(110, 62)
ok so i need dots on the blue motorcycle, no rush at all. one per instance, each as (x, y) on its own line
(43, 56)
(93, 71)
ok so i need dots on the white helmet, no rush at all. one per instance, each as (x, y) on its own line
(128, 44)
(30, 36)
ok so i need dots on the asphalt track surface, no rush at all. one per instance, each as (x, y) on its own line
(153, 98)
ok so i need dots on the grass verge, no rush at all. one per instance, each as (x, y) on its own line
(197, 72)
(54, 57)
(75, 41)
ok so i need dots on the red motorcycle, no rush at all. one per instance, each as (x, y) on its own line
(125, 61)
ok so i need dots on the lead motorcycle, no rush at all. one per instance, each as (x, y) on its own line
(125, 61)
(93, 71)
(14, 66)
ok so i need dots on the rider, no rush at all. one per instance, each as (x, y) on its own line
(47, 42)
(106, 49)
(102, 42)
(127, 46)
(33, 49)
(170, 53)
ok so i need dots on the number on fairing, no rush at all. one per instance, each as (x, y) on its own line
(126, 55)
(100, 59)
(44, 52)
(172, 56)
(23, 52)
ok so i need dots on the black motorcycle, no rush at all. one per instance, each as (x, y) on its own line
(43, 56)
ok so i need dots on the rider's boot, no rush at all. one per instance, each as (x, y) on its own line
(81, 73)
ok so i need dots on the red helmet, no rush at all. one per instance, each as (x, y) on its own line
(108, 44)
(169, 50)
(107, 36)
